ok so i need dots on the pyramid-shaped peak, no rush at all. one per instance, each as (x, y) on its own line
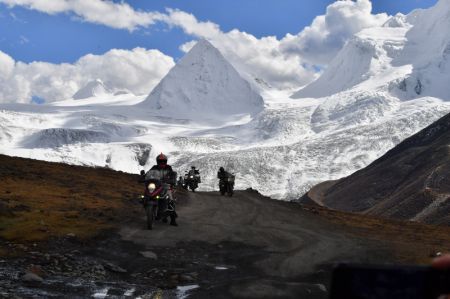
(203, 51)
(203, 43)
(203, 84)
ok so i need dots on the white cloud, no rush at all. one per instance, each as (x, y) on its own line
(321, 41)
(115, 15)
(138, 70)
(6, 66)
(190, 24)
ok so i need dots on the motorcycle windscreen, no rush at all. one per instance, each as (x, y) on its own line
(153, 175)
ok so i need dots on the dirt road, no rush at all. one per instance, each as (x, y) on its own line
(247, 246)
(267, 248)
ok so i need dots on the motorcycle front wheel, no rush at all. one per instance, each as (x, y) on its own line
(150, 212)
(230, 191)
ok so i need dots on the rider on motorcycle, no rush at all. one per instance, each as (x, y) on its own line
(222, 173)
(226, 181)
(168, 181)
(192, 179)
(195, 173)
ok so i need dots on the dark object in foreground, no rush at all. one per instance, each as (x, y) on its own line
(226, 182)
(376, 282)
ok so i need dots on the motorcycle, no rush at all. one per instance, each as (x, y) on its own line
(155, 197)
(226, 185)
(191, 181)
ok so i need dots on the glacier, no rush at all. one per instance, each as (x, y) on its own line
(386, 84)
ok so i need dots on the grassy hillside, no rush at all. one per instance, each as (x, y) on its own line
(40, 200)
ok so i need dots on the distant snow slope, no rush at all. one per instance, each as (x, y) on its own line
(204, 114)
(408, 57)
(203, 84)
(367, 57)
(92, 89)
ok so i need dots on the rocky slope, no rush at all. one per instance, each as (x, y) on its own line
(409, 182)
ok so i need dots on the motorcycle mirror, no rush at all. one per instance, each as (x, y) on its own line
(142, 172)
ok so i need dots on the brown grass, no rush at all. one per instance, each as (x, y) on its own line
(41, 200)
(416, 242)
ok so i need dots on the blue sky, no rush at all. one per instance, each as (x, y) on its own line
(29, 35)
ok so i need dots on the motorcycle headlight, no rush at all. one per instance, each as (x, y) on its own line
(192, 177)
(151, 187)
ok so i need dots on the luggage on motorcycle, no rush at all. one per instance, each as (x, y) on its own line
(172, 178)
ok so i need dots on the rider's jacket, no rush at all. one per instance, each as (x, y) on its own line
(168, 175)
(223, 174)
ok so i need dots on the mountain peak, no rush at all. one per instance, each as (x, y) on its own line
(92, 89)
(203, 43)
(204, 84)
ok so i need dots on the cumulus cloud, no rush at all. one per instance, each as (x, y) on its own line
(321, 41)
(137, 70)
(116, 15)
(6, 66)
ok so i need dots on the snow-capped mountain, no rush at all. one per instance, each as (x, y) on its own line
(204, 114)
(92, 89)
(365, 62)
(429, 45)
(203, 84)
(408, 55)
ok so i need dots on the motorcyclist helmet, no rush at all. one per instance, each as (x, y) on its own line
(193, 167)
(221, 169)
(161, 160)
